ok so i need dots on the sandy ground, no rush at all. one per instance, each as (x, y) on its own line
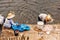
(33, 34)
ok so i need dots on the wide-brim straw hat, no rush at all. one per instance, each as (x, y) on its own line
(48, 17)
(10, 15)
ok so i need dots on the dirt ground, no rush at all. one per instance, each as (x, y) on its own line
(33, 34)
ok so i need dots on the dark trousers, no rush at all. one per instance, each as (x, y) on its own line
(1, 28)
(39, 19)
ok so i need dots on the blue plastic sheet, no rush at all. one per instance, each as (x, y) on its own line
(21, 27)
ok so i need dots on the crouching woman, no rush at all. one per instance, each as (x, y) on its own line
(43, 19)
(9, 22)
(1, 22)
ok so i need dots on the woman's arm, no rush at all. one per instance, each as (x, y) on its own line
(12, 22)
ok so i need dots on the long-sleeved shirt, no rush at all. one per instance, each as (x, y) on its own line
(1, 19)
(8, 23)
(42, 16)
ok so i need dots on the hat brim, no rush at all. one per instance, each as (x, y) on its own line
(9, 17)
